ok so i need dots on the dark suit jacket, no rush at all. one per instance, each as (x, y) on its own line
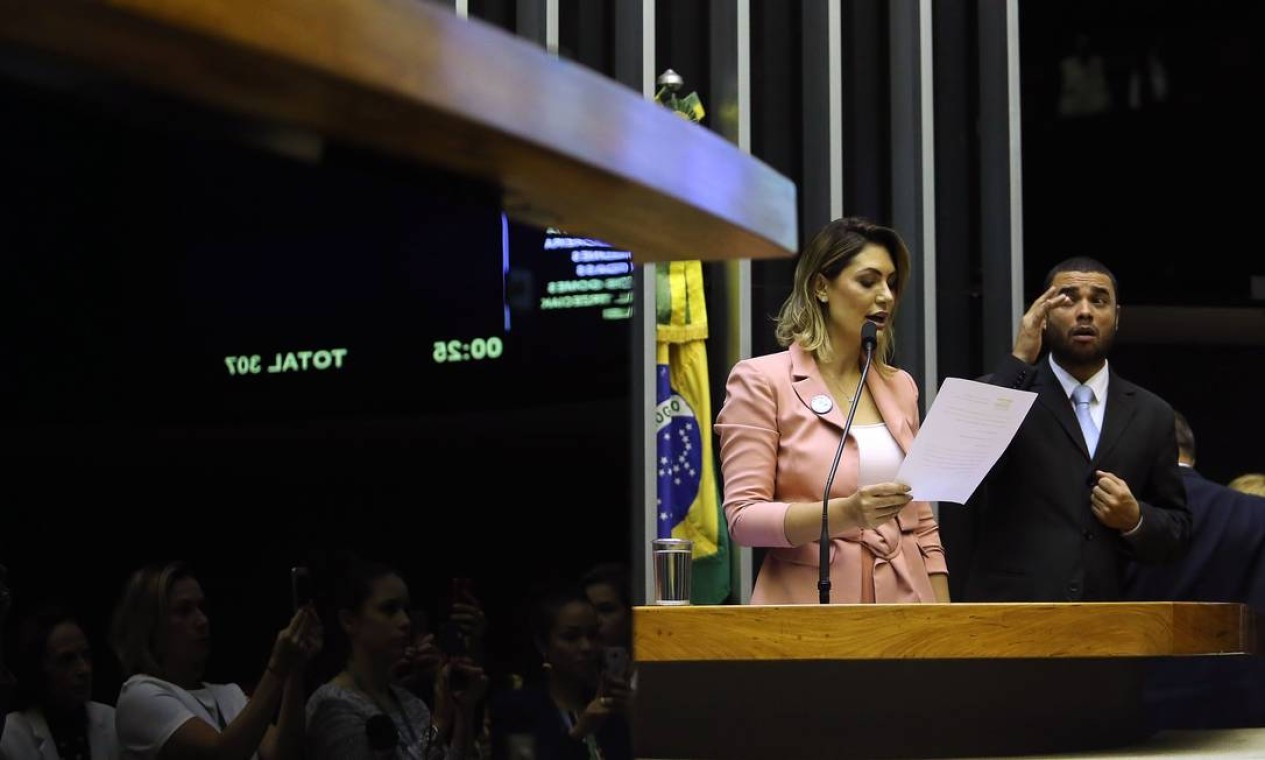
(1225, 563)
(1036, 538)
(1226, 559)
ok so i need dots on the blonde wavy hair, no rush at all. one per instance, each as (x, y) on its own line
(136, 632)
(802, 318)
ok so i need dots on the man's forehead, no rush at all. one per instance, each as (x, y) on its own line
(1085, 280)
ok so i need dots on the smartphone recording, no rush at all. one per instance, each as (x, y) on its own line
(300, 587)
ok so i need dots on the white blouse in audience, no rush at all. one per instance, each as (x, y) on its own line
(27, 736)
(151, 709)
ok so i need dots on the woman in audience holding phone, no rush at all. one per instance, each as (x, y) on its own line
(579, 710)
(363, 712)
(460, 635)
(162, 637)
(465, 615)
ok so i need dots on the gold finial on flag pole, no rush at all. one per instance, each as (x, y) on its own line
(688, 107)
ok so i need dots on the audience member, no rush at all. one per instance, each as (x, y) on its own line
(58, 718)
(1225, 563)
(461, 634)
(1250, 482)
(577, 711)
(1066, 507)
(1226, 558)
(607, 587)
(363, 712)
(162, 637)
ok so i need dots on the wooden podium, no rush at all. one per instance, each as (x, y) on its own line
(906, 681)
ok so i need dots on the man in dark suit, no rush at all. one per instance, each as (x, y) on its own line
(1226, 560)
(1225, 563)
(1090, 480)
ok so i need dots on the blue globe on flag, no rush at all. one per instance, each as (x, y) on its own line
(679, 454)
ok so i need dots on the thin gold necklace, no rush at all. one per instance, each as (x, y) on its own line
(835, 385)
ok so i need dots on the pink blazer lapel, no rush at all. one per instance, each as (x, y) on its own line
(890, 406)
(808, 384)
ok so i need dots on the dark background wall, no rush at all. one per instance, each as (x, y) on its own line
(1151, 180)
(140, 244)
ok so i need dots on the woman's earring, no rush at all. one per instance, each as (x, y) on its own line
(821, 297)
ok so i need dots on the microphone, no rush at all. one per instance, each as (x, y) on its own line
(382, 735)
(869, 339)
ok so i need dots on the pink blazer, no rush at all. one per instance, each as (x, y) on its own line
(774, 449)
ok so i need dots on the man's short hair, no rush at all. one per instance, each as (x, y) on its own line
(1185, 437)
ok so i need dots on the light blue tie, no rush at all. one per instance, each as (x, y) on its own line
(1081, 396)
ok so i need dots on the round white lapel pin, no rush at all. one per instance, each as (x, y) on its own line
(821, 404)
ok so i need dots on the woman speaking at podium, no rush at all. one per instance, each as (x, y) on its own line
(801, 435)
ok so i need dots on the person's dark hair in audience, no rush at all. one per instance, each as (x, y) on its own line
(363, 710)
(162, 636)
(1185, 440)
(57, 716)
(577, 711)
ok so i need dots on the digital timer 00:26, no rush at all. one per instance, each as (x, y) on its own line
(460, 351)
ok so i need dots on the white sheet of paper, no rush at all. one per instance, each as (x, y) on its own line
(965, 432)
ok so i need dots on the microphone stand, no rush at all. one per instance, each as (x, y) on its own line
(869, 337)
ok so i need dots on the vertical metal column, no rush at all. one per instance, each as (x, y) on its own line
(913, 184)
(460, 7)
(822, 62)
(957, 190)
(592, 48)
(634, 66)
(537, 20)
(1001, 176)
(731, 92)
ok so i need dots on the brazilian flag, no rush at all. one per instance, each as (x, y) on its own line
(688, 498)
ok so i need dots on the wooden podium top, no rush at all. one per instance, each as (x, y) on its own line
(566, 146)
(935, 631)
